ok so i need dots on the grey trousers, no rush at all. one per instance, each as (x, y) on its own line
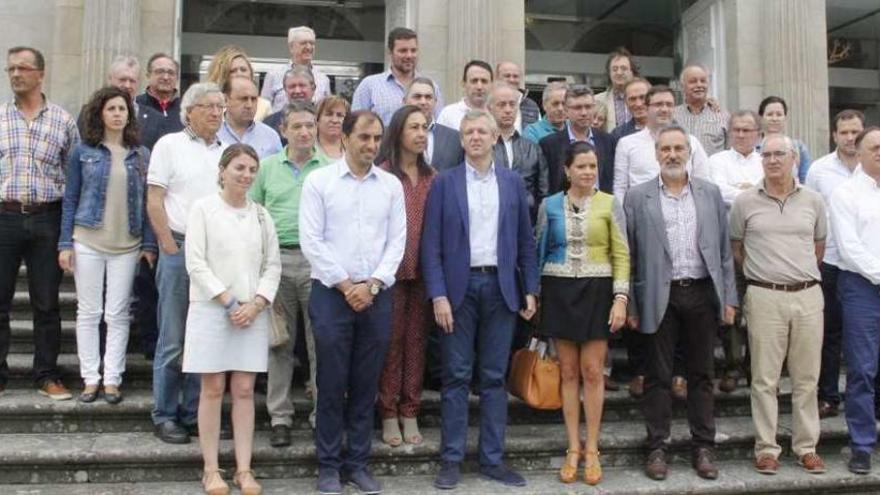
(293, 293)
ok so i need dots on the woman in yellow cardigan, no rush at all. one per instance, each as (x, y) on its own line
(584, 259)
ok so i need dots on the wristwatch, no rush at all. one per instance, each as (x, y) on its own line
(374, 288)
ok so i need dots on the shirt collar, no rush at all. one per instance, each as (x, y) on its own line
(762, 186)
(860, 175)
(288, 161)
(249, 129)
(474, 174)
(191, 134)
(663, 187)
(343, 169)
(571, 137)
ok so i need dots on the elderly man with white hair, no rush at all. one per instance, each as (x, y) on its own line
(183, 169)
(301, 43)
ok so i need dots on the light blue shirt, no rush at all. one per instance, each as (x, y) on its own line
(351, 228)
(383, 94)
(260, 136)
(482, 197)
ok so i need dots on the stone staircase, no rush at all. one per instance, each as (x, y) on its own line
(69, 448)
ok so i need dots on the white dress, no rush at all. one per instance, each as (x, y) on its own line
(224, 251)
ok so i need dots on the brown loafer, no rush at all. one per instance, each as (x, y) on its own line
(655, 465)
(827, 410)
(812, 463)
(703, 461)
(611, 385)
(679, 388)
(727, 384)
(766, 464)
(637, 386)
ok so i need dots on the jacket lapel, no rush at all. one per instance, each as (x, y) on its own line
(655, 214)
(460, 182)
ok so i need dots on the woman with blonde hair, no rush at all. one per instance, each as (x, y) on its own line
(232, 61)
(331, 112)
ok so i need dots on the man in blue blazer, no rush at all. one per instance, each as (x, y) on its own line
(479, 264)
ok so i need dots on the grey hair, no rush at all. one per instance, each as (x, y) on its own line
(744, 113)
(126, 61)
(497, 85)
(673, 128)
(551, 87)
(689, 65)
(195, 93)
(476, 114)
(299, 71)
(293, 32)
(296, 107)
(789, 143)
(420, 80)
(578, 91)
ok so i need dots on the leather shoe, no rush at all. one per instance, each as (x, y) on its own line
(171, 432)
(655, 465)
(812, 463)
(447, 478)
(679, 388)
(503, 475)
(280, 436)
(860, 462)
(827, 410)
(637, 386)
(364, 482)
(766, 464)
(328, 482)
(727, 384)
(704, 462)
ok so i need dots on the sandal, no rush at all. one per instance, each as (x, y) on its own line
(568, 471)
(213, 484)
(391, 432)
(411, 433)
(89, 394)
(592, 468)
(247, 482)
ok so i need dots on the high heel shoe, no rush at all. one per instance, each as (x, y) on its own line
(247, 488)
(213, 484)
(568, 471)
(592, 468)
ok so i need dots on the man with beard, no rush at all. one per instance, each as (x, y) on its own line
(683, 282)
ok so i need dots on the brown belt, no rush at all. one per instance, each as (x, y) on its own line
(30, 209)
(784, 287)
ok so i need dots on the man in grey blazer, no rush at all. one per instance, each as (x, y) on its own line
(683, 283)
(444, 144)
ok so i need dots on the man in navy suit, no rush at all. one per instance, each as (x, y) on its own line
(444, 144)
(477, 242)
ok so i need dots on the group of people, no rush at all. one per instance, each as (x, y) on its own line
(393, 228)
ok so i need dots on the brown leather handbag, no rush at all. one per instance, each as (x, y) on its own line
(534, 377)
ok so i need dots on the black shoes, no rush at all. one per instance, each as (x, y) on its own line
(280, 436)
(448, 477)
(860, 462)
(171, 432)
(364, 482)
(503, 475)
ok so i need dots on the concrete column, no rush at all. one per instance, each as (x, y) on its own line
(110, 28)
(62, 83)
(796, 67)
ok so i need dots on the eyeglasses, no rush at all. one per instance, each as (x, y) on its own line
(766, 155)
(743, 130)
(19, 68)
(211, 106)
(165, 72)
(661, 104)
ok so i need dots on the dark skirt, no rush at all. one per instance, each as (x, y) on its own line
(576, 309)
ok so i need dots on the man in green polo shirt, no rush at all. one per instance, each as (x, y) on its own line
(278, 187)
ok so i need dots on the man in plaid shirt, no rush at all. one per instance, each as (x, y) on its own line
(36, 138)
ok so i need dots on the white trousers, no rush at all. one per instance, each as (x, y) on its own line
(89, 269)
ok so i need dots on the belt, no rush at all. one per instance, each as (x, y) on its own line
(484, 269)
(178, 236)
(29, 209)
(687, 282)
(784, 287)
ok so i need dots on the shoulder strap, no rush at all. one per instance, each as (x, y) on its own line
(264, 237)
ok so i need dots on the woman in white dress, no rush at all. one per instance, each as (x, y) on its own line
(233, 261)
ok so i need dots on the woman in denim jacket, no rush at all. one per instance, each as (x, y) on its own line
(104, 229)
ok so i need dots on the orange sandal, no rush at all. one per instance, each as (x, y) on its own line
(592, 468)
(568, 471)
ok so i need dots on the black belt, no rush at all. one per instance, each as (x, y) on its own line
(799, 286)
(687, 282)
(29, 209)
(484, 269)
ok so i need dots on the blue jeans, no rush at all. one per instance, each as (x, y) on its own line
(350, 349)
(483, 327)
(168, 379)
(860, 301)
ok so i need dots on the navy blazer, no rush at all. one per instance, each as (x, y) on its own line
(447, 151)
(554, 147)
(445, 250)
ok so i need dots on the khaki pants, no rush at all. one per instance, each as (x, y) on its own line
(785, 325)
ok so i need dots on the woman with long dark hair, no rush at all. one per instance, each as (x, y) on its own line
(400, 387)
(104, 232)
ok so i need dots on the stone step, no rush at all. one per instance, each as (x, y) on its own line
(735, 477)
(22, 336)
(21, 307)
(138, 371)
(139, 457)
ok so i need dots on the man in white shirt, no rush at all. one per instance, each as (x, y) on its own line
(183, 168)
(855, 219)
(352, 224)
(739, 167)
(635, 160)
(301, 44)
(824, 176)
(476, 81)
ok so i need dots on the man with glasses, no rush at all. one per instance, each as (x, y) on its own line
(161, 92)
(301, 44)
(183, 169)
(36, 138)
(778, 234)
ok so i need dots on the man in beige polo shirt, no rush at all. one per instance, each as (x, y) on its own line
(778, 234)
